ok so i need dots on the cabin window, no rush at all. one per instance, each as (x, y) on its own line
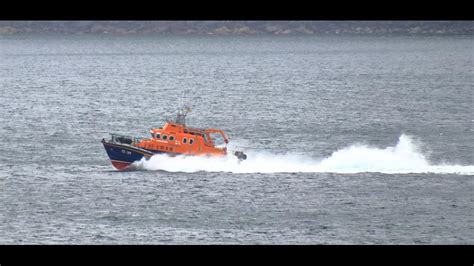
(191, 141)
(171, 137)
(157, 135)
(185, 140)
(164, 137)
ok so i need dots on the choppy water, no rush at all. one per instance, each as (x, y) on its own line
(351, 139)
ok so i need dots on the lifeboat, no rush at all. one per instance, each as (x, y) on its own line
(174, 138)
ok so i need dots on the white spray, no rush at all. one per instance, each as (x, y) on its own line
(403, 158)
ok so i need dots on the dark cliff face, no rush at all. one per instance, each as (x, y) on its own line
(237, 27)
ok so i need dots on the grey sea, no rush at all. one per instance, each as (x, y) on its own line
(351, 139)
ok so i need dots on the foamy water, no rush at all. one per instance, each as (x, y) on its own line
(404, 157)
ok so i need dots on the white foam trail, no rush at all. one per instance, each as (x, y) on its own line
(403, 158)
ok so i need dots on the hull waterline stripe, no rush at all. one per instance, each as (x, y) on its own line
(118, 161)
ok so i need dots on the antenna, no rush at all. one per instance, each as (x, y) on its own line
(183, 110)
(181, 104)
(181, 117)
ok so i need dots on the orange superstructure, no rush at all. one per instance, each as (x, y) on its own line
(177, 138)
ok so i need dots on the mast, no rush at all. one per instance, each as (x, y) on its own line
(181, 116)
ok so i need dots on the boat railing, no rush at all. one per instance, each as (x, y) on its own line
(122, 139)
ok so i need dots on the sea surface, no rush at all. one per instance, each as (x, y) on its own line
(351, 139)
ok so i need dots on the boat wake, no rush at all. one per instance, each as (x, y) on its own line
(405, 157)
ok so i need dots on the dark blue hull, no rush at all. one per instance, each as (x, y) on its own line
(122, 155)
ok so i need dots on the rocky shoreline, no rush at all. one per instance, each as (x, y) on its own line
(239, 27)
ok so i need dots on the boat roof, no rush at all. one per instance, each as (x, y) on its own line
(179, 126)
